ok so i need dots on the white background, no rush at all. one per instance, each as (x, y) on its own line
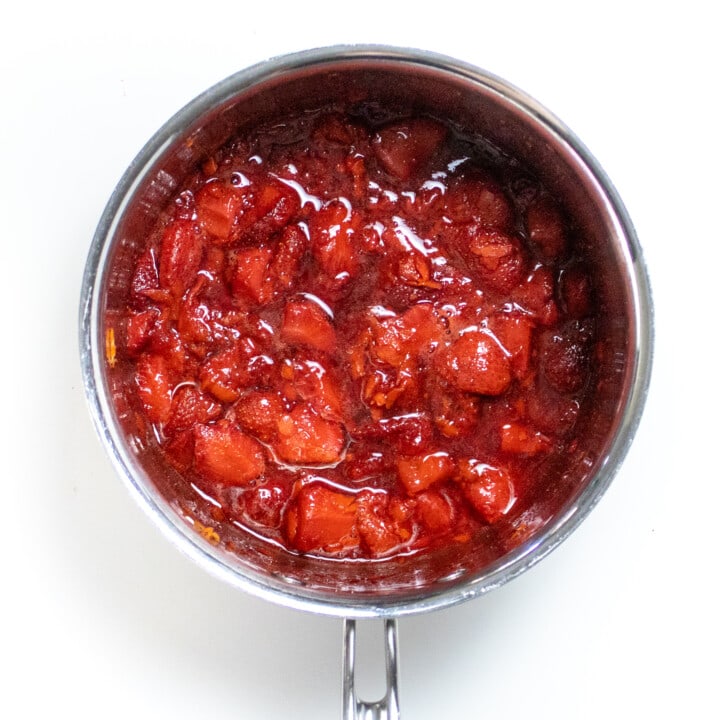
(101, 617)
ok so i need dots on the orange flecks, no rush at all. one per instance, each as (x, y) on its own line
(110, 348)
(207, 532)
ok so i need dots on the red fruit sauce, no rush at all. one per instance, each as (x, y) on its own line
(359, 336)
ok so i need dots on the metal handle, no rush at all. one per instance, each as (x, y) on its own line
(387, 708)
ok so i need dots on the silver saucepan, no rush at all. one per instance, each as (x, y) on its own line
(483, 104)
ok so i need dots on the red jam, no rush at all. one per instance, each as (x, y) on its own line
(359, 337)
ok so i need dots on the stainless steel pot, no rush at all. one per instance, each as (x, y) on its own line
(481, 103)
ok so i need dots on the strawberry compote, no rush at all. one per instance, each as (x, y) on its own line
(359, 335)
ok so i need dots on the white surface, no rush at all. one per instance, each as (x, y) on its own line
(101, 617)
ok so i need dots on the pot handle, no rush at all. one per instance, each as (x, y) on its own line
(387, 708)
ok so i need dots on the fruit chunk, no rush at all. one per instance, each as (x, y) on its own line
(259, 412)
(226, 455)
(564, 357)
(250, 278)
(420, 472)
(180, 255)
(411, 434)
(306, 438)
(383, 522)
(321, 520)
(520, 439)
(228, 371)
(190, 407)
(475, 363)
(489, 489)
(223, 210)
(153, 386)
(405, 146)
(333, 236)
(496, 258)
(434, 512)
(306, 323)
(514, 331)
(264, 502)
(471, 198)
(546, 227)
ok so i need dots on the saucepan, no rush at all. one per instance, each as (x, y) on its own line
(469, 98)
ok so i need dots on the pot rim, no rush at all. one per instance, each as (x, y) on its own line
(520, 558)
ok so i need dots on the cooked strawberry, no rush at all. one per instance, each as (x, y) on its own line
(546, 226)
(334, 234)
(226, 455)
(228, 371)
(275, 204)
(152, 379)
(419, 472)
(264, 502)
(190, 407)
(138, 330)
(259, 412)
(489, 489)
(414, 334)
(514, 331)
(289, 252)
(194, 321)
(536, 295)
(306, 323)
(496, 258)
(306, 438)
(405, 146)
(316, 383)
(519, 439)
(475, 363)
(381, 527)
(564, 357)
(434, 512)
(576, 292)
(251, 276)
(145, 276)
(223, 210)
(471, 198)
(322, 520)
(411, 434)
(181, 253)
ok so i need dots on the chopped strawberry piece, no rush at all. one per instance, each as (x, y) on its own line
(194, 321)
(259, 412)
(411, 434)
(418, 473)
(223, 210)
(180, 449)
(454, 412)
(275, 204)
(520, 439)
(489, 489)
(314, 382)
(306, 438)
(474, 199)
(405, 146)
(226, 455)
(190, 407)
(415, 333)
(228, 371)
(152, 379)
(265, 502)
(145, 276)
(322, 520)
(536, 295)
(564, 357)
(181, 253)
(546, 227)
(306, 323)
(434, 512)
(576, 292)
(475, 363)
(514, 331)
(496, 258)
(334, 234)
(251, 275)
(139, 328)
(382, 526)
(289, 252)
